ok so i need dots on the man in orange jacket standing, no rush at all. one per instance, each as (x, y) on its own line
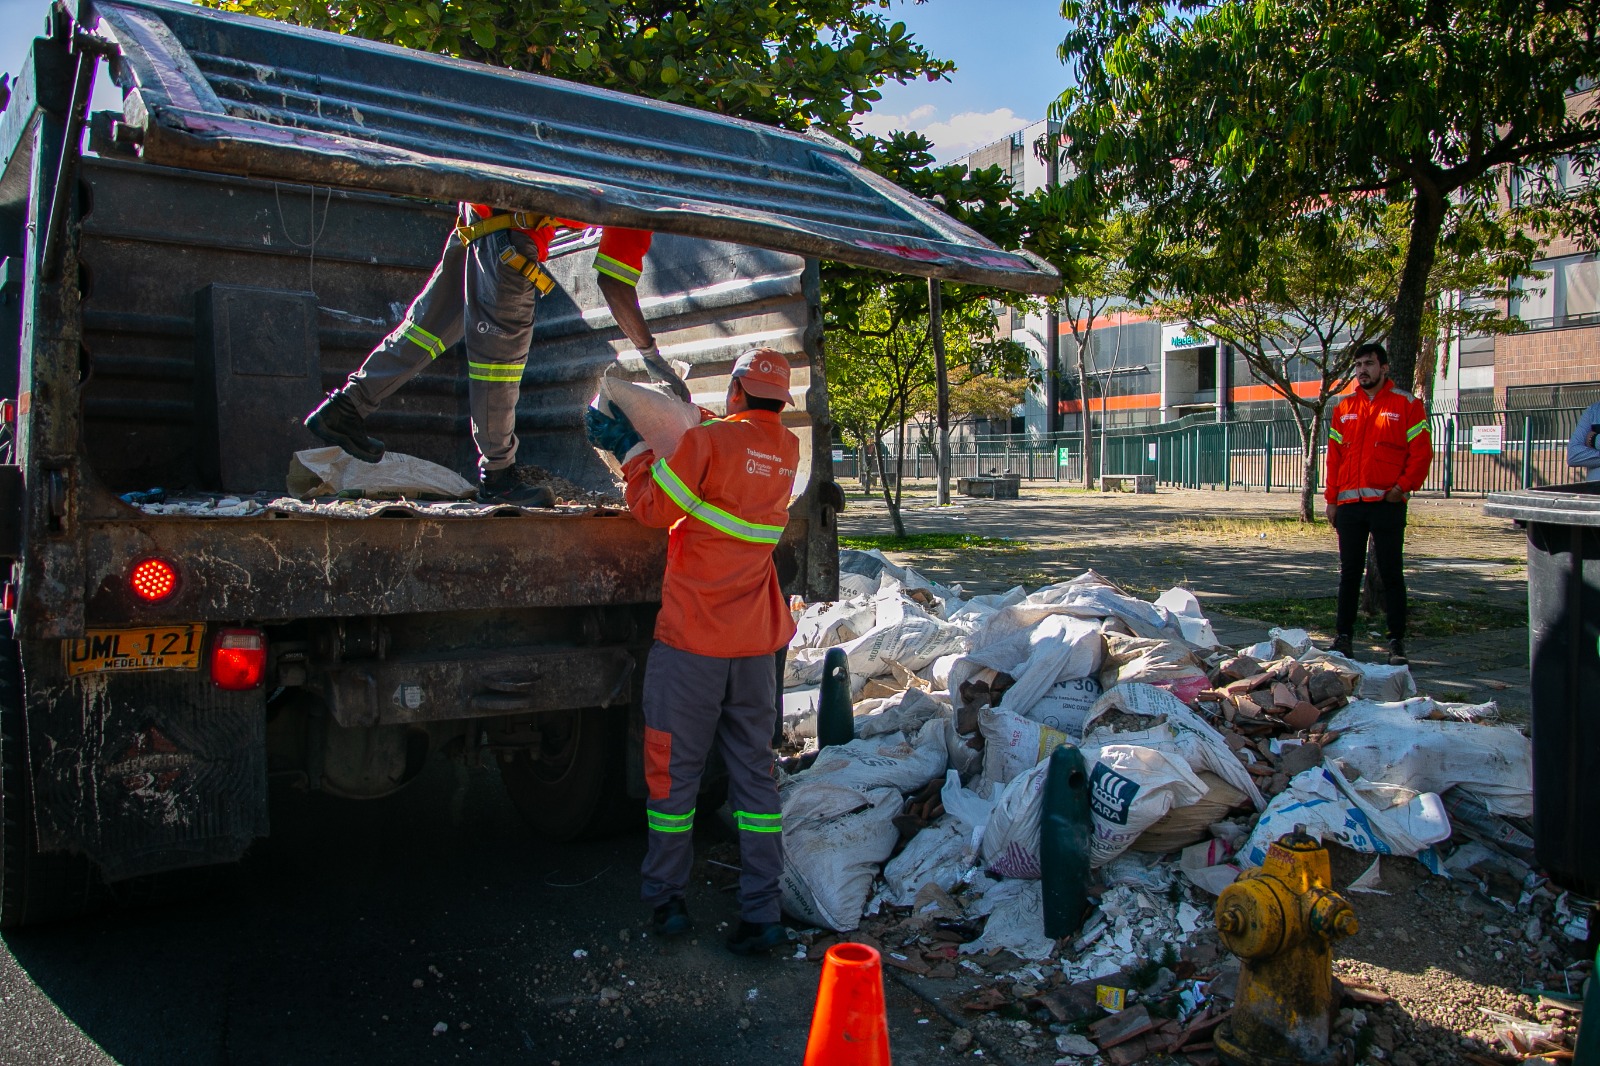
(1379, 450)
(724, 495)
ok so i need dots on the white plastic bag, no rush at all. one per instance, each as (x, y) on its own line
(1036, 647)
(1191, 619)
(1363, 816)
(1016, 921)
(331, 471)
(834, 839)
(1387, 743)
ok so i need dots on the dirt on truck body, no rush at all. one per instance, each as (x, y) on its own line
(238, 238)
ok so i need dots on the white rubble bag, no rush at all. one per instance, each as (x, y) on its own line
(1388, 744)
(904, 712)
(1379, 681)
(1130, 789)
(1011, 841)
(902, 633)
(834, 840)
(891, 761)
(936, 855)
(1037, 646)
(822, 625)
(1362, 815)
(660, 418)
(332, 471)
(1016, 921)
(1200, 743)
(1066, 704)
(1013, 745)
(1191, 619)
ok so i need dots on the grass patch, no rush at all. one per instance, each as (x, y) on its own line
(1273, 526)
(1428, 618)
(915, 542)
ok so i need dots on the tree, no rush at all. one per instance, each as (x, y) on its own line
(1096, 277)
(1319, 288)
(881, 375)
(1222, 119)
(791, 63)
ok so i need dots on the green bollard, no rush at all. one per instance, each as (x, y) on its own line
(1064, 842)
(836, 722)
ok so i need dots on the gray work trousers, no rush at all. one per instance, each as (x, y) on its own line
(691, 701)
(471, 294)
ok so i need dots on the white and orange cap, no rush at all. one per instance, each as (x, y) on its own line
(764, 372)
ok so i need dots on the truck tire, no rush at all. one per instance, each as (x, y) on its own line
(34, 887)
(575, 788)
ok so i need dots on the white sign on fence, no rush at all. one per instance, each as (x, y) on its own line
(1487, 440)
(1152, 451)
(838, 455)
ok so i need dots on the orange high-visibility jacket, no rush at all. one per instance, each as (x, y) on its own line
(1376, 444)
(724, 496)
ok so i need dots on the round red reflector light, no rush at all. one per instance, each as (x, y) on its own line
(153, 580)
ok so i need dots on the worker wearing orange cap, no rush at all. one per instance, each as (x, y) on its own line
(724, 495)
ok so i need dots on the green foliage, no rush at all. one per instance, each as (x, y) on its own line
(791, 63)
(1224, 120)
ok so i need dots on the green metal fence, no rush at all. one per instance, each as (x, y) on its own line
(1474, 452)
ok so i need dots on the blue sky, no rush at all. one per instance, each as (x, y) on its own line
(1005, 54)
(1006, 73)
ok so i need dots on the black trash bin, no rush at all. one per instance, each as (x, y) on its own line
(1563, 527)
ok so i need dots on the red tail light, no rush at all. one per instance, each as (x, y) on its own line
(153, 579)
(239, 659)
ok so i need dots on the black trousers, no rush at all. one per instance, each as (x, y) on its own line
(1386, 524)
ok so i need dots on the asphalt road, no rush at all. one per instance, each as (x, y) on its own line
(311, 951)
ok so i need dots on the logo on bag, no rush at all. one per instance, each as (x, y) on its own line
(1111, 794)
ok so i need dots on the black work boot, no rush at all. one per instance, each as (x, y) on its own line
(1344, 645)
(502, 486)
(757, 938)
(672, 918)
(1397, 652)
(336, 421)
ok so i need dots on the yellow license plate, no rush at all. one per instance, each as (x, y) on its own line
(166, 648)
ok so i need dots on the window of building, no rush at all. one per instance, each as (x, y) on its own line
(1568, 294)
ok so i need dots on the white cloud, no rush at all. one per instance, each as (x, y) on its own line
(951, 137)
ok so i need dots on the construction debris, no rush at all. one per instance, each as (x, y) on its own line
(928, 824)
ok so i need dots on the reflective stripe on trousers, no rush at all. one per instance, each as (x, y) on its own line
(690, 703)
(470, 296)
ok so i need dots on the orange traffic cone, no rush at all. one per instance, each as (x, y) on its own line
(849, 1026)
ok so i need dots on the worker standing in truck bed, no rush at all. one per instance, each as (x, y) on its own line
(724, 495)
(484, 289)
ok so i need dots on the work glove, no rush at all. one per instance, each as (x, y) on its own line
(660, 370)
(610, 432)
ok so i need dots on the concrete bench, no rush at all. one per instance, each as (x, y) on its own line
(1118, 482)
(993, 488)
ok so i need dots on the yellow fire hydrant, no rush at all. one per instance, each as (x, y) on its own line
(1280, 920)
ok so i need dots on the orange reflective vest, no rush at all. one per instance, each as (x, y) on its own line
(1376, 444)
(724, 496)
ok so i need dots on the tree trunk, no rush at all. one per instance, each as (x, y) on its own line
(890, 499)
(942, 384)
(1083, 397)
(1405, 334)
(1309, 434)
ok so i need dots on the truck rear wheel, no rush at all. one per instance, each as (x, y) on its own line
(34, 887)
(573, 786)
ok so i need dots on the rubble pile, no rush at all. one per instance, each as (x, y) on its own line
(922, 835)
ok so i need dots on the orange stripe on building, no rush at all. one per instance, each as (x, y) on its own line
(1152, 400)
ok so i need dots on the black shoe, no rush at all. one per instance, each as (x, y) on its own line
(672, 918)
(757, 938)
(336, 421)
(1343, 645)
(1397, 652)
(502, 486)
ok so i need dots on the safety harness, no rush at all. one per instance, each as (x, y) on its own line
(525, 220)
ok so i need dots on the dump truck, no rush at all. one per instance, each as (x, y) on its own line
(185, 278)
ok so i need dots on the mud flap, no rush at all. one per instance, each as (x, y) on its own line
(146, 772)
